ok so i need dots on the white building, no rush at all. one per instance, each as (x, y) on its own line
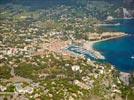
(75, 68)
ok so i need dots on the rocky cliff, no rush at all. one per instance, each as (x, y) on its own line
(129, 5)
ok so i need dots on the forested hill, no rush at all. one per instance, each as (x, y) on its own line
(96, 8)
(53, 2)
(126, 3)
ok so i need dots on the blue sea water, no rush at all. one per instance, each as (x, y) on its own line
(119, 52)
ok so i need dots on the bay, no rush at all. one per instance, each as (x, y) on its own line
(119, 52)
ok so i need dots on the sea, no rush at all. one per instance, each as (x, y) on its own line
(120, 51)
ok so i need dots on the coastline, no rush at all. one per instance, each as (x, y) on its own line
(88, 45)
(62, 46)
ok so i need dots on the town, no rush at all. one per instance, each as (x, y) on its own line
(36, 65)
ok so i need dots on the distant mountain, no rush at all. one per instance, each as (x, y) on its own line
(100, 8)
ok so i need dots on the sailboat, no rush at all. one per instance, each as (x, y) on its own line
(127, 15)
(132, 57)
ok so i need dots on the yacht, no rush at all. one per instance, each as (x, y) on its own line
(132, 57)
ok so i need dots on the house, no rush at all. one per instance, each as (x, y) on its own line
(75, 68)
(24, 90)
(28, 90)
(2, 88)
(18, 87)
